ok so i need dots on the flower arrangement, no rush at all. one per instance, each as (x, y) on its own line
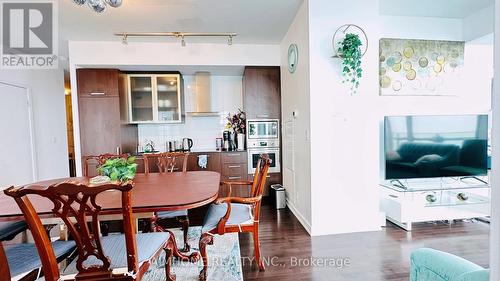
(237, 122)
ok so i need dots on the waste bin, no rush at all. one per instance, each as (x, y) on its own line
(278, 196)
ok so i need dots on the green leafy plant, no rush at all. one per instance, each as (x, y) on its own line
(119, 169)
(350, 52)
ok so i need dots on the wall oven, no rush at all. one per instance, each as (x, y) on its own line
(274, 155)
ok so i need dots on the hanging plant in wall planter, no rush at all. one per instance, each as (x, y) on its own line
(350, 50)
(349, 47)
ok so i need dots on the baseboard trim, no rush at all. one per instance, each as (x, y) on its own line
(299, 216)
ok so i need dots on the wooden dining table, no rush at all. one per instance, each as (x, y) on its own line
(154, 192)
(151, 193)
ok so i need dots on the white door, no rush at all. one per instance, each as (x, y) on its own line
(17, 165)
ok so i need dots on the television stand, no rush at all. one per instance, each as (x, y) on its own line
(474, 177)
(398, 183)
(445, 199)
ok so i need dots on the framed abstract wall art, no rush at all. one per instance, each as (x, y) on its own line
(420, 67)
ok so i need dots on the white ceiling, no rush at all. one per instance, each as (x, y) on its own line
(433, 8)
(255, 21)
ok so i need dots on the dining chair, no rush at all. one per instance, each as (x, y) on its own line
(20, 261)
(100, 160)
(236, 214)
(166, 163)
(115, 257)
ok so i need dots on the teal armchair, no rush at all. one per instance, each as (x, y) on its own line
(434, 265)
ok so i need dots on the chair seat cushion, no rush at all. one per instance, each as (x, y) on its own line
(23, 258)
(240, 214)
(172, 214)
(114, 248)
(9, 230)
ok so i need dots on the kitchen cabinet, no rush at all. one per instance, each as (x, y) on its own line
(154, 98)
(99, 125)
(261, 92)
(234, 168)
(234, 157)
(102, 131)
(231, 165)
(97, 82)
(213, 161)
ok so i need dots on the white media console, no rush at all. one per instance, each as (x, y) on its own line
(419, 200)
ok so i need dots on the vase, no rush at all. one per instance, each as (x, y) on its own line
(240, 141)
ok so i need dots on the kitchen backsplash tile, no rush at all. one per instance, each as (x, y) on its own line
(203, 131)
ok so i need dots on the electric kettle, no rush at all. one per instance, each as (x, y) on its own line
(187, 144)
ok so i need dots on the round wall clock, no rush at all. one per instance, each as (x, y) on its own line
(293, 57)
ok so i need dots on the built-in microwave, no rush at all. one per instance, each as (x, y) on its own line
(274, 155)
(263, 129)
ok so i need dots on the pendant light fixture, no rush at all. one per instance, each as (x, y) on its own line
(99, 6)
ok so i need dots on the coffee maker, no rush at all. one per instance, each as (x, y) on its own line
(228, 141)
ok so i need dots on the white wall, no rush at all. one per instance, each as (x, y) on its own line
(420, 28)
(148, 55)
(227, 97)
(114, 53)
(495, 179)
(295, 91)
(479, 23)
(49, 118)
(345, 129)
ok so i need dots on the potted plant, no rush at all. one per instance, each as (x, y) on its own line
(237, 123)
(350, 52)
(118, 169)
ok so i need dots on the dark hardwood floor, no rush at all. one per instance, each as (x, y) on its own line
(373, 256)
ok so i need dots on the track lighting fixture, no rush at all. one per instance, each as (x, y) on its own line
(181, 35)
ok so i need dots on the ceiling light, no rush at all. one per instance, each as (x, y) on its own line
(114, 3)
(99, 6)
(181, 35)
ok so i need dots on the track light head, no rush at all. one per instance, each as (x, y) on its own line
(230, 40)
(124, 40)
(183, 42)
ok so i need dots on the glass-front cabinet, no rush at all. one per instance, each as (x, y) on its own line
(155, 98)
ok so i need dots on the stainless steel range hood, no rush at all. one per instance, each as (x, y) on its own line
(203, 101)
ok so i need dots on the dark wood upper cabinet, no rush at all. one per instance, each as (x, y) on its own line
(102, 129)
(261, 92)
(97, 82)
(99, 125)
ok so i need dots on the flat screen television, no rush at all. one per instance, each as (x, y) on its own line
(435, 146)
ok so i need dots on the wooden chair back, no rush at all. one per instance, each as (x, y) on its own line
(260, 176)
(166, 161)
(4, 265)
(74, 203)
(99, 159)
(259, 182)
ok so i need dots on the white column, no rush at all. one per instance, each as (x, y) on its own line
(495, 179)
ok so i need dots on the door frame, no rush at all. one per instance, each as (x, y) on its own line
(27, 91)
